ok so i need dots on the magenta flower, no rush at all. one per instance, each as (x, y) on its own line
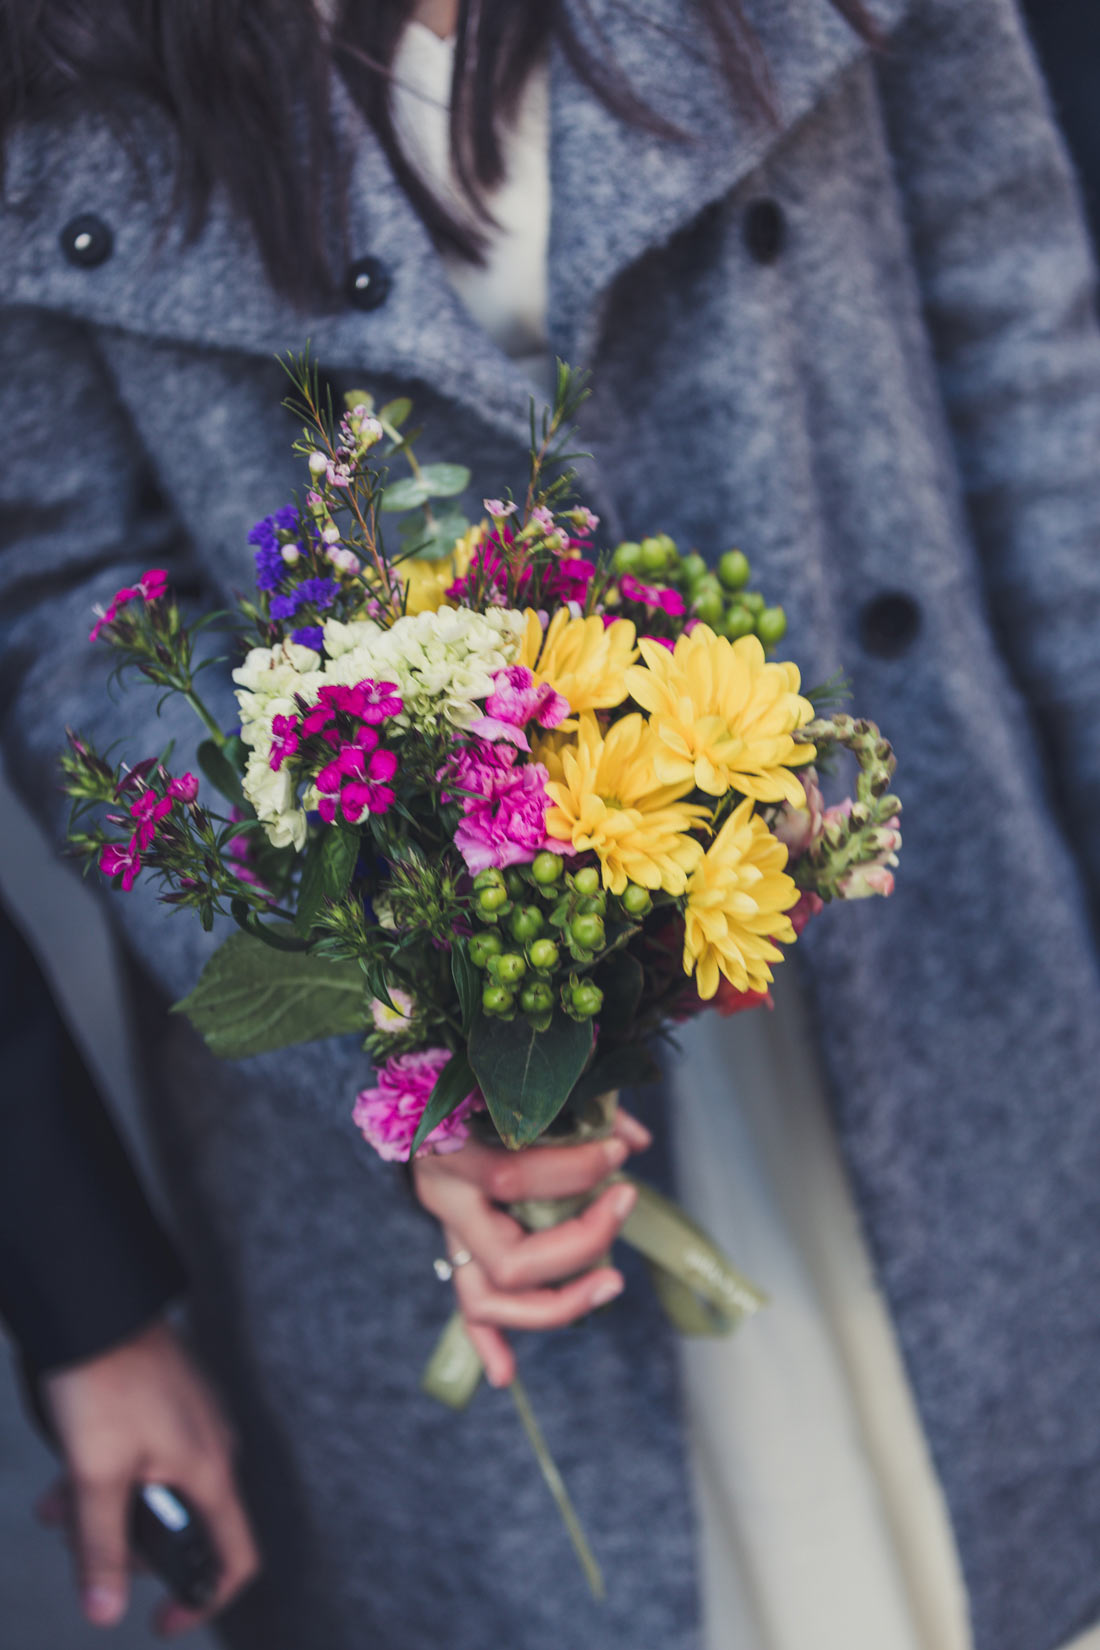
(356, 781)
(149, 810)
(118, 861)
(506, 823)
(183, 789)
(285, 741)
(568, 579)
(388, 1115)
(652, 595)
(153, 584)
(119, 599)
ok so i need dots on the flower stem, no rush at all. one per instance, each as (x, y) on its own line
(556, 1485)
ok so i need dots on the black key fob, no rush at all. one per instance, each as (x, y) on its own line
(172, 1538)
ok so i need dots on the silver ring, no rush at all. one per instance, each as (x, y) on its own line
(445, 1269)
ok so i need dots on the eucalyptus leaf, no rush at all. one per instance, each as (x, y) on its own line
(452, 1086)
(394, 413)
(526, 1076)
(251, 999)
(445, 480)
(222, 765)
(407, 494)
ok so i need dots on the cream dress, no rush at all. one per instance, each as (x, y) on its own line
(823, 1525)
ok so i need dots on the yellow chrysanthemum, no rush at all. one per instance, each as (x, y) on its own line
(725, 716)
(737, 897)
(581, 659)
(609, 801)
(427, 579)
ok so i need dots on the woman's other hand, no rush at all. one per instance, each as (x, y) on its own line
(510, 1281)
(139, 1414)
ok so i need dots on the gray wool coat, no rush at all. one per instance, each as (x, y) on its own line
(861, 344)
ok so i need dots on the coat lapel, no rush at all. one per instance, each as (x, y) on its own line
(616, 191)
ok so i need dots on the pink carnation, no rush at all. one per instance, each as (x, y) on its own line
(515, 699)
(388, 1115)
(183, 789)
(153, 584)
(505, 824)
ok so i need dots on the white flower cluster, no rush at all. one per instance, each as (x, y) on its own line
(443, 664)
(266, 685)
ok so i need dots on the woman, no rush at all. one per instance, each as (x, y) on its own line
(838, 307)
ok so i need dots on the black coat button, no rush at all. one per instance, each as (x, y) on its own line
(889, 624)
(86, 241)
(368, 283)
(765, 229)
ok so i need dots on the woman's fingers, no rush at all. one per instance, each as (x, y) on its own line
(533, 1308)
(527, 1260)
(635, 1134)
(495, 1353)
(100, 1510)
(540, 1172)
(232, 1539)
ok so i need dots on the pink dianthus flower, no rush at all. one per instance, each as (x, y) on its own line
(118, 861)
(515, 699)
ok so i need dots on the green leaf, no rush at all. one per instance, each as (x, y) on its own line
(621, 980)
(222, 765)
(618, 1068)
(445, 480)
(394, 413)
(326, 873)
(452, 1086)
(408, 494)
(251, 999)
(526, 1076)
(467, 983)
(358, 398)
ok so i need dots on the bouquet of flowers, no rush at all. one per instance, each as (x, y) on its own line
(505, 806)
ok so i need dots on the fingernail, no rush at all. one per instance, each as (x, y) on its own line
(607, 1291)
(622, 1201)
(103, 1605)
(616, 1153)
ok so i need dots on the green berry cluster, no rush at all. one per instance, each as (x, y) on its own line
(540, 932)
(718, 596)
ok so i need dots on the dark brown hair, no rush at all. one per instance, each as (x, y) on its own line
(245, 86)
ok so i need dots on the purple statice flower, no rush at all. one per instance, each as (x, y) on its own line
(310, 635)
(285, 607)
(320, 593)
(287, 519)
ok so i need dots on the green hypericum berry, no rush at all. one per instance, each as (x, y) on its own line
(738, 622)
(543, 955)
(587, 999)
(626, 557)
(525, 923)
(489, 878)
(636, 900)
(491, 899)
(771, 626)
(495, 999)
(753, 600)
(484, 946)
(536, 998)
(709, 602)
(669, 546)
(510, 968)
(693, 567)
(514, 882)
(546, 868)
(652, 556)
(734, 569)
(587, 931)
(587, 880)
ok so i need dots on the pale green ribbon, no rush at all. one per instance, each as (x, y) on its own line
(701, 1294)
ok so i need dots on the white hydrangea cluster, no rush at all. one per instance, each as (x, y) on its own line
(266, 685)
(442, 662)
